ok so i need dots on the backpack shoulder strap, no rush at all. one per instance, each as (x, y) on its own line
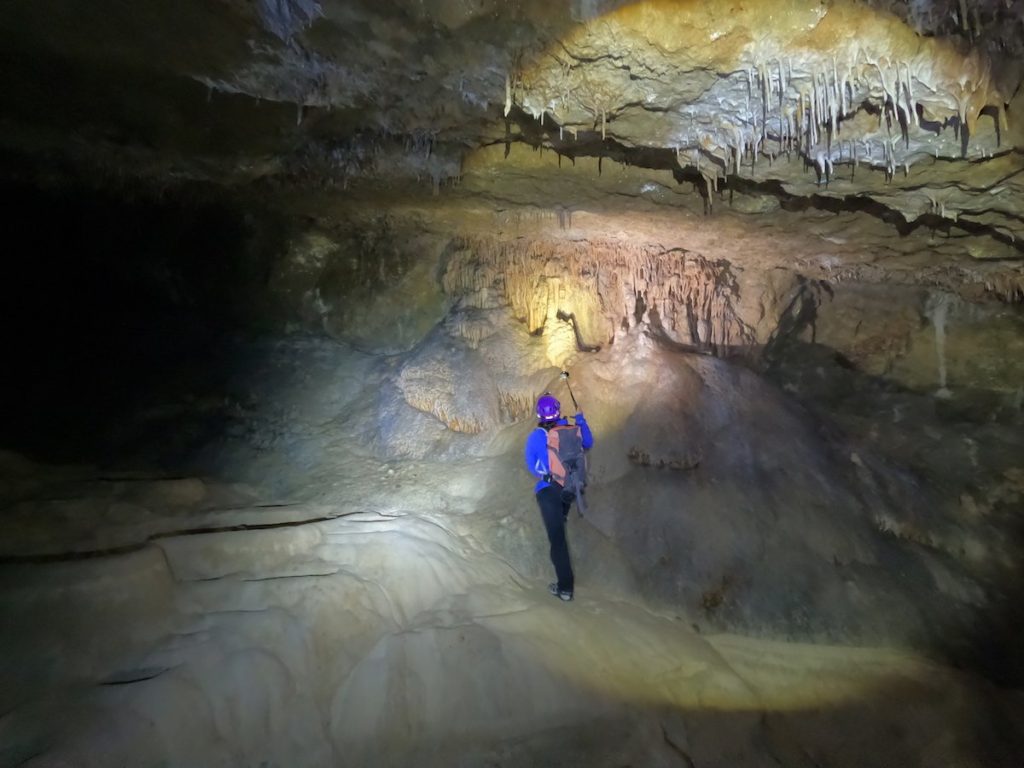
(555, 466)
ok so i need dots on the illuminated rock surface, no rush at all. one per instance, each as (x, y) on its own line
(298, 271)
(389, 637)
(388, 608)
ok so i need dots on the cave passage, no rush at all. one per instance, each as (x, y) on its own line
(284, 283)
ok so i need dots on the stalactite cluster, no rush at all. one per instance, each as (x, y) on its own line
(1006, 287)
(284, 18)
(1000, 22)
(606, 285)
(856, 86)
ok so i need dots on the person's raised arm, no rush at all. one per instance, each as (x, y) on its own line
(585, 433)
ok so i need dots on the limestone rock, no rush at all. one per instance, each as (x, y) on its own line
(366, 287)
(607, 289)
(475, 372)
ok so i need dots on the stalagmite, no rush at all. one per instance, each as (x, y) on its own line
(508, 95)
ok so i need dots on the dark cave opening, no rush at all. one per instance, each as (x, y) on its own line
(112, 299)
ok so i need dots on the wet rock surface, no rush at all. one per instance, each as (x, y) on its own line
(749, 578)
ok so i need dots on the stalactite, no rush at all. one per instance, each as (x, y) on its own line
(937, 310)
(844, 105)
(738, 142)
(834, 96)
(964, 24)
(799, 121)
(815, 112)
(515, 405)
(910, 95)
(819, 111)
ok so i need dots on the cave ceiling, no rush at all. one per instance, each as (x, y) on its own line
(892, 120)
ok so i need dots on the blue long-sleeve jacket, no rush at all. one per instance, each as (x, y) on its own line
(536, 452)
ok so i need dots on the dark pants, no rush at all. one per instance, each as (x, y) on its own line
(554, 512)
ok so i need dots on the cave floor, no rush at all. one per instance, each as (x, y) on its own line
(306, 602)
(398, 637)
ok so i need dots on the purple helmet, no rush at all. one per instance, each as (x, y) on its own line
(548, 408)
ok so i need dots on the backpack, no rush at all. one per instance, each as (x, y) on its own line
(567, 460)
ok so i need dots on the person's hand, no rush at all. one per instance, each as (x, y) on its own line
(579, 417)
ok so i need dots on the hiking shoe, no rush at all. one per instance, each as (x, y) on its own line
(561, 594)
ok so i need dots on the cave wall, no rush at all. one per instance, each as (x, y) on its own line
(123, 295)
(410, 274)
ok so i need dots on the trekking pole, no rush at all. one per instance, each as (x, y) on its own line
(581, 504)
(565, 377)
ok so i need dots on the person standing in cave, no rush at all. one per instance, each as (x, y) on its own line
(542, 461)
